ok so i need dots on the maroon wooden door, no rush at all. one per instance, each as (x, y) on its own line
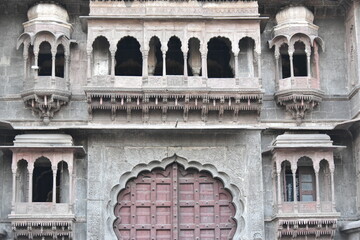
(174, 204)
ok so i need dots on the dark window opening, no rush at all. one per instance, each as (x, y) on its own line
(194, 58)
(128, 58)
(42, 181)
(101, 57)
(155, 59)
(285, 61)
(218, 58)
(300, 60)
(174, 57)
(59, 62)
(62, 183)
(45, 59)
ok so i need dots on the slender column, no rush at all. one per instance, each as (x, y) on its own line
(36, 56)
(293, 170)
(291, 64)
(308, 55)
(316, 59)
(277, 71)
(26, 57)
(14, 169)
(204, 64)
(54, 170)
(112, 71)
(164, 61)
(332, 188)
(279, 199)
(53, 59)
(185, 65)
(145, 67)
(317, 189)
(70, 184)
(31, 170)
(259, 68)
(89, 66)
(236, 57)
(67, 70)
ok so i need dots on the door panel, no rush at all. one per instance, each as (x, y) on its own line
(174, 204)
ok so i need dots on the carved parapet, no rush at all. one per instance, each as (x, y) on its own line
(319, 227)
(299, 101)
(39, 229)
(185, 101)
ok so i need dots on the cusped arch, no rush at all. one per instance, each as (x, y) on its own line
(300, 37)
(24, 37)
(131, 37)
(237, 194)
(279, 40)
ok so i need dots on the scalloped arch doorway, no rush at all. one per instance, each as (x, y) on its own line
(174, 204)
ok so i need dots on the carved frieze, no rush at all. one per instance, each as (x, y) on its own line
(185, 101)
(43, 228)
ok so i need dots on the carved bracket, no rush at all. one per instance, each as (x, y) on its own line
(297, 103)
(202, 102)
(317, 228)
(54, 229)
(45, 105)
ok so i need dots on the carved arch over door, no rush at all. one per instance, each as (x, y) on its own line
(174, 204)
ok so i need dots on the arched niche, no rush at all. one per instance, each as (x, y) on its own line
(101, 56)
(44, 59)
(174, 57)
(60, 61)
(247, 66)
(194, 57)
(22, 179)
(219, 58)
(128, 57)
(62, 183)
(42, 180)
(155, 59)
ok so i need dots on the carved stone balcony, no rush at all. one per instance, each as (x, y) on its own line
(299, 95)
(45, 95)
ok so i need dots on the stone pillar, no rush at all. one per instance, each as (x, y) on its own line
(316, 169)
(291, 64)
(185, 64)
(112, 69)
(54, 170)
(164, 50)
(145, 67)
(67, 70)
(259, 68)
(204, 65)
(36, 56)
(31, 170)
(70, 168)
(332, 188)
(236, 57)
(293, 170)
(279, 199)
(89, 66)
(308, 55)
(26, 58)
(14, 170)
(53, 60)
(277, 70)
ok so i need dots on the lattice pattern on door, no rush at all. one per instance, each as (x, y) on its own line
(174, 204)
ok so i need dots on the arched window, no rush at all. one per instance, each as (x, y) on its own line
(44, 60)
(194, 57)
(155, 60)
(62, 183)
(219, 58)
(42, 180)
(287, 181)
(246, 58)
(128, 58)
(174, 57)
(285, 61)
(101, 56)
(60, 61)
(22, 179)
(325, 181)
(300, 60)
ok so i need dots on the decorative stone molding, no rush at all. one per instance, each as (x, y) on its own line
(46, 94)
(298, 102)
(237, 195)
(43, 228)
(200, 101)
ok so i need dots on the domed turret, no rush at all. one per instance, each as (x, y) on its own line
(48, 12)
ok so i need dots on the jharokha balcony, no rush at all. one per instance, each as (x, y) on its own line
(303, 181)
(200, 69)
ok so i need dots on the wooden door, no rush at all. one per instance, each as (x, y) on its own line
(174, 204)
